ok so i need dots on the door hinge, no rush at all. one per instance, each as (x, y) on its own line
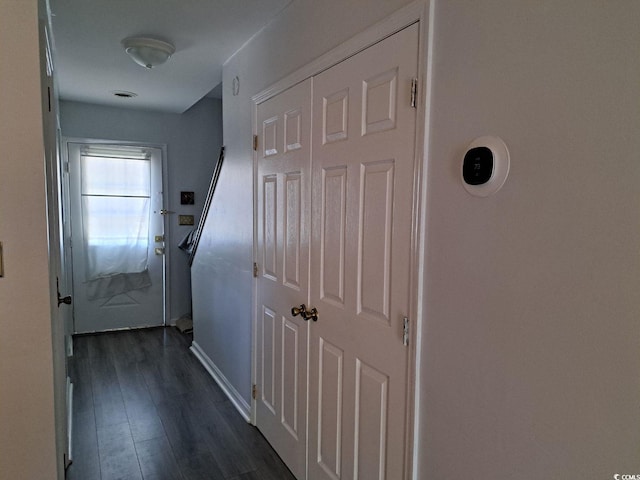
(255, 270)
(414, 93)
(254, 391)
(255, 143)
(405, 331)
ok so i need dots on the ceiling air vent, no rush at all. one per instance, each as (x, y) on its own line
(123, 94)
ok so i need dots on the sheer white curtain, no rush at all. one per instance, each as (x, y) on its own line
(115, 218)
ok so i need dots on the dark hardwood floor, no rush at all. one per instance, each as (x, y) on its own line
(145, 409)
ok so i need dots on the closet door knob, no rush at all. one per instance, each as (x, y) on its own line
(311, 314)
(301, 310)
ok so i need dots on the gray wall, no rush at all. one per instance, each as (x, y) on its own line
(222, 270)
(193, 141)
(530, 360)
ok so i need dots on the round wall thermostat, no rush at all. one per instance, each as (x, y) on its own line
(485, 166)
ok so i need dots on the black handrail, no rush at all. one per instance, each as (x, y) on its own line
(207, 205)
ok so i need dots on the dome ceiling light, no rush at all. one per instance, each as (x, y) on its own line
(148, 52)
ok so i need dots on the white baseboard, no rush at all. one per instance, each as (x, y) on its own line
(68, 339)
(236, 399)
(69, 422)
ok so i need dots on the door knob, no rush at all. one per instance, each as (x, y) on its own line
(311, 314)
(301, 310)
(66, 300)
(306, 314)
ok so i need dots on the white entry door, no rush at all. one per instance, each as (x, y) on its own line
(283, 211)
(362, 194)
(117, 234)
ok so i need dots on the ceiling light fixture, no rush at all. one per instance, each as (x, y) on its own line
(148, 52)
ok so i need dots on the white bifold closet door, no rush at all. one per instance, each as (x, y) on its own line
(348, 219)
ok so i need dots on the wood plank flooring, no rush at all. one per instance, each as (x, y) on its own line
(145, 409)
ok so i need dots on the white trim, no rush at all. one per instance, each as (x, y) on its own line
(395, 22)
(420, 231)
(254, 283)
(234, 396)
(69, 422)
(69, 344)
(168, 239)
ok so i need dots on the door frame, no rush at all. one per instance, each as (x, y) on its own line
(420, 11)
(166, 266)
(62, 387)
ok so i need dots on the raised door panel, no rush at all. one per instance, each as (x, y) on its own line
(290, 374)
(292, 230)
(270, 137)
(374, 240)
(333, 234)
(379, 94)
(270, 226)
(329, 429)
(293, 130)
(370, 427)
(267, 380)
(335, 116)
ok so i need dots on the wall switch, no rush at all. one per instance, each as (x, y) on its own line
(185, 219)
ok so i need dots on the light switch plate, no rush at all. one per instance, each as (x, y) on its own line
(185, 219)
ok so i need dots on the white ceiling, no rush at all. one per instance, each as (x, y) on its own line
(91, 63)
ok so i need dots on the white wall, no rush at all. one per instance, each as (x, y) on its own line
(532, 331)
(222, 270)
(27, 436)
(193, 142)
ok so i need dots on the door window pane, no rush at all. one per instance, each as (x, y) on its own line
(115, 215)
